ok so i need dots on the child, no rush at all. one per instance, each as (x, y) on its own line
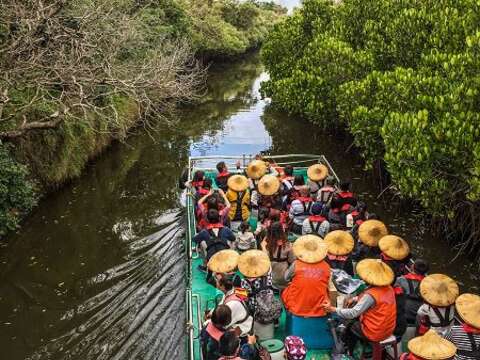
(245, 238)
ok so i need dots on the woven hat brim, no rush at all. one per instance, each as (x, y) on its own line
(388, 245)
(339, 242)
(375, 272)
(273, 185)
(429, 289)
(303, 249)
(224, 261)
(317, 172)
(432, 347)
(468, 308)
(371, 231)
(237, 185)
(254, 263)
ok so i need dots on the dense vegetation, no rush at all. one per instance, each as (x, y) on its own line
(75, 75)
(403, 76)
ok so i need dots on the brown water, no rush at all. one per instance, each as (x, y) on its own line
(97, 271)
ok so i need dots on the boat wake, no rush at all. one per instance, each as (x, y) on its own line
(136, 308)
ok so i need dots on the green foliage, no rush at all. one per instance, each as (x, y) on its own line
(402, 75)
(17, 195)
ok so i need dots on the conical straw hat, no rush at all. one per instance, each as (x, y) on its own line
(394, 246)
(268, 185)
(317, 172)
(439, 290)
(432, 346)
(371, 231)
(310, 249)
(253, 263)
(256, 169)
(468, 307)
(224, 261)
(339, 242)
(375, 272)
(237, 183)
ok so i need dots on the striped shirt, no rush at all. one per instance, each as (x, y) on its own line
(459, 337)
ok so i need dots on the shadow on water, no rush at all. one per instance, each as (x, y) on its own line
(97, 272)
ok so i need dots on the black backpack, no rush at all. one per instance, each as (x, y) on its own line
(215, 244)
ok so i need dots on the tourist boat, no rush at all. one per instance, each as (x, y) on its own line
(201, 296)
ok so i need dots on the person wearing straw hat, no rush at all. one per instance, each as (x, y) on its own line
(309, 276)
(239, 199)
(268, 187)
(340, 245)
(316, 177)
(369, 234)
(430, 346)
(343, 197)
(223, 175)
(300, 210)
(439, 293)
(375, 307)
(395, 252)
(465, 332)
(255, 171)
(316, 223)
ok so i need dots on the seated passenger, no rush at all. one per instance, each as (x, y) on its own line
(343, 197)
(287, 183)
(309, 276)
(295, 348)
(245, 237)
(375, 309)
(239, 199)
(213, 330)
(316, 176)
(430, 347)
(236, 300)
(357, 217)
(214, 238)
(465, 332)
(317, 223)
(340, 245)
(395, 252)
(197, 180)
(410, 283)
(205, 189)
(223, 263)
(232, 348)
(255, 170)
(268, 188)
(439, 293)
(212, 201)
(300, 210)
(327, 192)
(280, 252)
(369, 235)
(222, 176)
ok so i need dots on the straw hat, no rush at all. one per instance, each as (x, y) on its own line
(256, 169)
(317, 172)
(339, 242)
(375, 272)
(268, 185)
(394, 246)
(371, 231)
(254, 263)
(237, 183)
(439, 290)
(224, 261)
(310, 249)
(468, 307)
(432, 346)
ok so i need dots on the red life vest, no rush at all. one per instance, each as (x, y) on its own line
(215, 226)
(308, 290)
(342, 258)
(378, 322)
(203, 191)
(326, 194)
(315, 219)
(214, 332)
(345, 195)
(223, 174)
(409, 356)
(198, 184)
(412, 276)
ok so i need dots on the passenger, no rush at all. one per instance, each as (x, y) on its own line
(395, 252)
(263, 223)
(280, 252)
(197, 180)
(245, 238)
(214, 238)
(255, 170)
(401, 321)
(237, 302)
(439, 293)
(340, 245)
(224, 263)
(344, 196)
(300, 210)
(309, 276)
(268, 188)
(316, 177)
(465, 333)
(430, 347)
(232, 348)
(327, 192)
(222, 176)
(357, 217)
(410, 283)
(369, 235)
(298, 183)
(211, 201)
(375, 310)
(295, 348)
(203, 190)
(239, 199)
(215, 327)
(287, 183)
(317, 223)
(272, 168)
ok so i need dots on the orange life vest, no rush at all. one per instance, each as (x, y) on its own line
(308, 290)
(379, 322)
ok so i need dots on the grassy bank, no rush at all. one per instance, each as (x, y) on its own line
(77, 75)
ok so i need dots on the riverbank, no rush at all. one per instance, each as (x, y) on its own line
(148, 59)
(403, 85)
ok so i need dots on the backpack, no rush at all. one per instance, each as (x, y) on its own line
(215, 244)
(261, 353)
(267, 307)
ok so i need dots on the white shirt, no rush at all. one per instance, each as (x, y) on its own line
(238, 314)
(323, 229)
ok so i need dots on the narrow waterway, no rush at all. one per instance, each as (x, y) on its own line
(97, 272)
